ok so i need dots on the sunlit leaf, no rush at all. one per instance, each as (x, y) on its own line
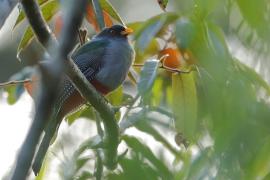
(135, 25)
(48, 11)
(116, 97)
(107, 7)
(28, 36)
(185, 104)
(21, 16)
(83, 112)
(151, 28)
(147, 76)
(261, 164)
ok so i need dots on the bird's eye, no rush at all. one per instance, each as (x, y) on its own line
(112, 31)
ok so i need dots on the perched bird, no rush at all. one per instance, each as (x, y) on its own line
(105, 62)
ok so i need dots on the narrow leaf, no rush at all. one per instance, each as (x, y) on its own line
(107, 6)
(21, 16)
(99, 14)
(152, 28)
(146, 127)
(185, 104)
(185, 32)
(147, 76)
(146, 152)
(48, 10)
(28, 36)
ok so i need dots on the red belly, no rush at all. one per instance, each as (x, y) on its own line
(75, 100)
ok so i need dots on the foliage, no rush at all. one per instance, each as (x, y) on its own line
(217, 103)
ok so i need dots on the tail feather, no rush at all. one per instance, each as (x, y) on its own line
(50, 131)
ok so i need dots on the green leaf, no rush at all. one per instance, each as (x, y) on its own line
(132, 166)
(185, 32)
(185, 104)
(253, 76)
(135, 25)
(48, 11)
(146, 127)
(85, 175)
(11, 99)
(83, 112)
(21, 16)
(116, 96)
(254, 12)
(163, 4)
(131, 120)
(80, 162)
(147, 76)
(152, 28)
(216, 40)
(260, 166)
(107, 6)
(152, 49)
(146, 152)
(98, 13)
(28, 36)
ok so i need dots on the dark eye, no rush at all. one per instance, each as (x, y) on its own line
(112, 31)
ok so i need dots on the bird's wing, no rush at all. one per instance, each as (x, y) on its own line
(88, 59)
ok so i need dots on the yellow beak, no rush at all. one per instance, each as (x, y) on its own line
(127, 31)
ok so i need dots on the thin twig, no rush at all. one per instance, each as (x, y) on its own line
(12, 83)
(98, 165)
(174, 70)
(80, 37)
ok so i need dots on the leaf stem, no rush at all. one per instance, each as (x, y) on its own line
(12, 83)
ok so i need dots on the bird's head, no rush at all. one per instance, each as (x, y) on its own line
(115, 31)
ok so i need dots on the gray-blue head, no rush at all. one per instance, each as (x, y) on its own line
(115, 31)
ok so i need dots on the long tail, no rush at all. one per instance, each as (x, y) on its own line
(50, 131)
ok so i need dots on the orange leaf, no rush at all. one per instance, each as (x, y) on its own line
(107, 19)
(58, 24)
(91, 18)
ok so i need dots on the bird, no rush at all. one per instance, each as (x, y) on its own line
(105, 62)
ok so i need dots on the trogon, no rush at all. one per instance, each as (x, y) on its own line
(105, 62)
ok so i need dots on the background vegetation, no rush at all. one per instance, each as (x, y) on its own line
(207, 109)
